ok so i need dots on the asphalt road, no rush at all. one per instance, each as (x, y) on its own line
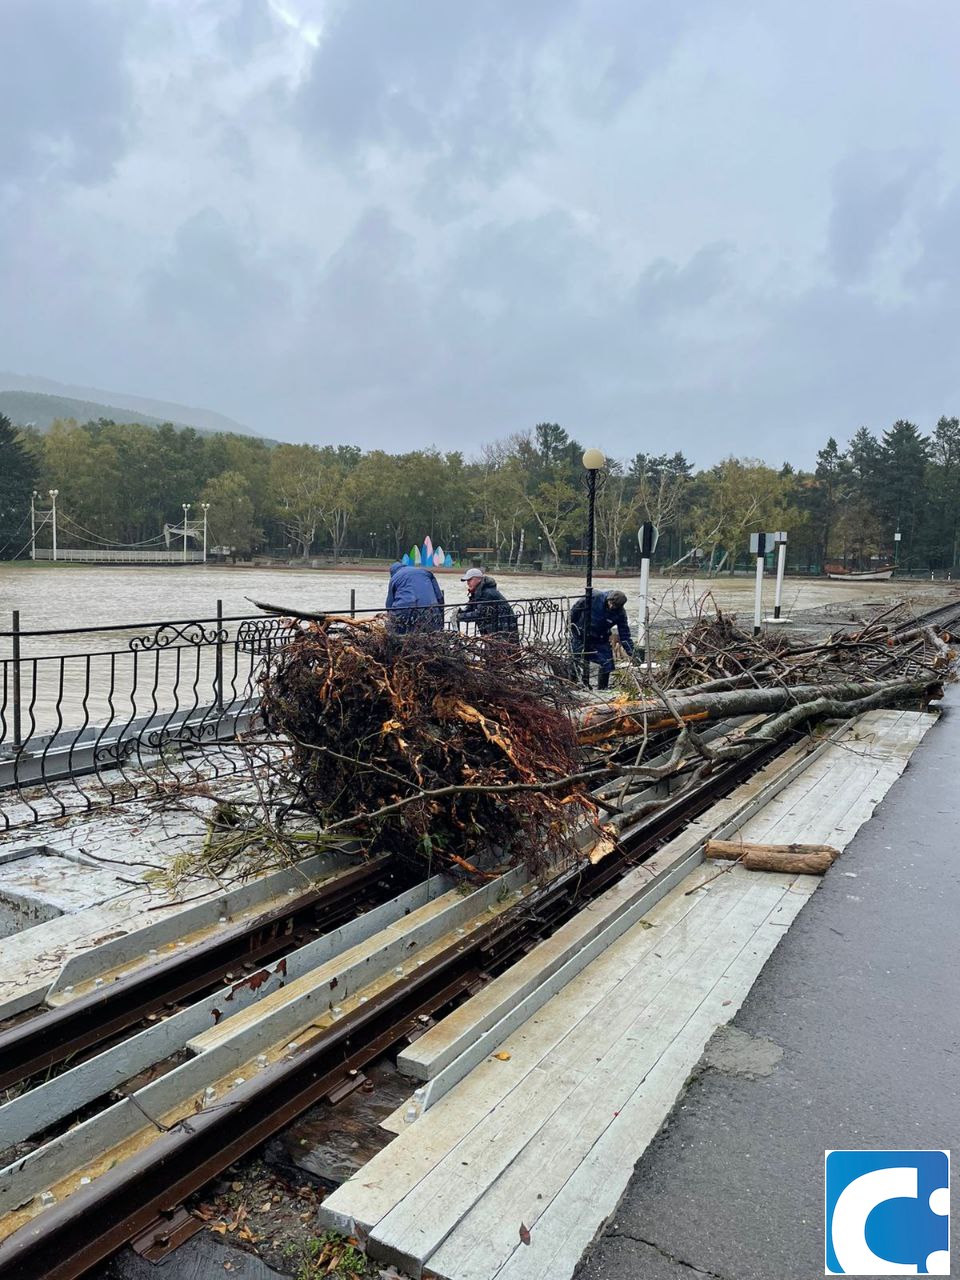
(849, 1039)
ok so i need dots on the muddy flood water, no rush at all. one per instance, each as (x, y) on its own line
(50, 597)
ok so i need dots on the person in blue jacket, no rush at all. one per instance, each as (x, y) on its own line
(607, 611)
(414, 600)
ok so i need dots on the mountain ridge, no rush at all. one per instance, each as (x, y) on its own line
(117, 405)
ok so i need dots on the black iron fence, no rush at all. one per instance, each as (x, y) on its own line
(90, 716)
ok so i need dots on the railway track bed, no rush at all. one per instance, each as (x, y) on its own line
(310, 1023)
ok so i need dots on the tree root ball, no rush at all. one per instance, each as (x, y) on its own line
(374, 719)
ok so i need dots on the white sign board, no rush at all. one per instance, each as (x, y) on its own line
(757, 548)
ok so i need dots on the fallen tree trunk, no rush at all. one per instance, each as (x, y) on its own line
(794, 859)
(600, 722)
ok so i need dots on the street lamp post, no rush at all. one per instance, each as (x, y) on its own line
(896, 549)
(33, 524)
(186, 508)
(206, 507)
(593, 461)
(53, 501)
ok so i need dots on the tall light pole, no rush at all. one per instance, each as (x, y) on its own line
(206, 507)
(896, 549)
(593, 462)
(186, 508)
(33, 524)
(53, 500)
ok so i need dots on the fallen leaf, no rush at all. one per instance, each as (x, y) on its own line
(265, 1208)
(502, 1057)
(219, 1227)
(524, 1234)
(236, 1186)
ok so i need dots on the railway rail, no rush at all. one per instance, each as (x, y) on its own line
(58, 1035)
(64, 1240)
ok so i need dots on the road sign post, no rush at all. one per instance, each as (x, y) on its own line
(780, 541)
(647, 536)
(759, 544)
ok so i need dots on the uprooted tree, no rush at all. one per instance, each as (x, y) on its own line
(437, 747)
(458, 753)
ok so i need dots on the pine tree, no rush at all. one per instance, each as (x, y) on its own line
(832, 475)
(901, 492)
(17, 478)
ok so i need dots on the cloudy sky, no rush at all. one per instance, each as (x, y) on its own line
(719, 227)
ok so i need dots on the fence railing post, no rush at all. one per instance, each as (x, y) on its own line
(16, 679)
(218, 671)
(353, 602)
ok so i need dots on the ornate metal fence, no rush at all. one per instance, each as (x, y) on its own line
(90, 716)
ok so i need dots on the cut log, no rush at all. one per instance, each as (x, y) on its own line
(794, 859)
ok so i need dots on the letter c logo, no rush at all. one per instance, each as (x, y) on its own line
(854, 1205)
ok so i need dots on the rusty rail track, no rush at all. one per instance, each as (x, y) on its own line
(61, 1034)
(68, 1239)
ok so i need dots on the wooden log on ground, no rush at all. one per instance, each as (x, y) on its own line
(794, 859)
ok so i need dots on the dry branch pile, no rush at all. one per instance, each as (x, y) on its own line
(444, 749)
(715, 652)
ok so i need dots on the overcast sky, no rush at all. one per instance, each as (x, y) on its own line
(718, 227)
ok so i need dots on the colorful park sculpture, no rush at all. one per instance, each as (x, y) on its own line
(429, 556)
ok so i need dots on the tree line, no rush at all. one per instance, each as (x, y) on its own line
(522, 500)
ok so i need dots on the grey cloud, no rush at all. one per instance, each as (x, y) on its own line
(66, 95)
(871, 192)
(450, 221)
(243, 25)
(666, 287)
(939, 260)
(213, 286)
(449, 81)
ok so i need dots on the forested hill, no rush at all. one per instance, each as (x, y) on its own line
(33, 408)
(93, 403)
(30, 408)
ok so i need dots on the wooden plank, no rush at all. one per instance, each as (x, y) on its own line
(37, 1109)
(591, 1193)
(488, 1234)
(478, 1026)
(651, 1007)
(363, 1201)
(403, 942)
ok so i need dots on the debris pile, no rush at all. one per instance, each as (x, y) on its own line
(451, 752)
(715, 652)
(468, 755)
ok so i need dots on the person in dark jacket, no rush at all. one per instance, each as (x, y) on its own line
(607, 611)
(488, 607)
(414, 600)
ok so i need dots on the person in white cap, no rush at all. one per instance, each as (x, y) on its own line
(488, 607)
